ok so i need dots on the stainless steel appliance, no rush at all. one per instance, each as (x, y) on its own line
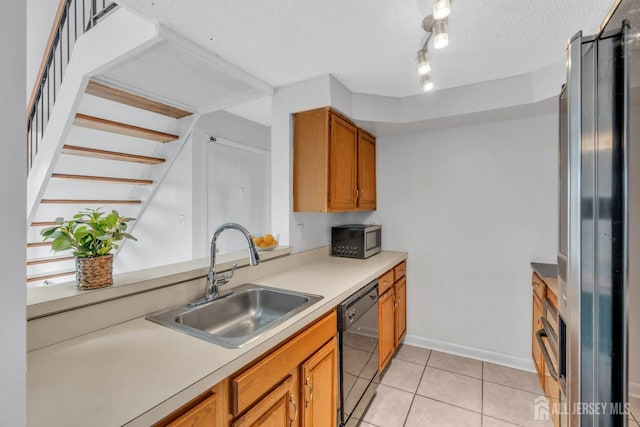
(598, 151)
(356, 240)
(358, 340)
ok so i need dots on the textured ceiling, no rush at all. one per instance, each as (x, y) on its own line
(370, 45)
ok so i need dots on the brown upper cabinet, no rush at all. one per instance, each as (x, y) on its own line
(334, 163)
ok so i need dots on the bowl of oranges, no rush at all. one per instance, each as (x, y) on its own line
(266, 242)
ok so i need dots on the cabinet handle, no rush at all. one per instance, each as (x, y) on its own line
(307, 382)
(547, 358)
(394, 303)
(295, 410)
(357, 193)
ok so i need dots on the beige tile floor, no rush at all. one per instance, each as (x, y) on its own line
(422, 388)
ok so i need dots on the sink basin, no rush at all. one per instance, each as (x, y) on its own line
(236, 319)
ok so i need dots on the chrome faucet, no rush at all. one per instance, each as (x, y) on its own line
(214, 280)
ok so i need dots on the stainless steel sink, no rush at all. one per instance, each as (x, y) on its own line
(236, 319)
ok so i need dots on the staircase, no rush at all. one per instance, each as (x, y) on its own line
(111, 110)
(108, 161)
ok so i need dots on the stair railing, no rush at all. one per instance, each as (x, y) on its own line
(73, 19)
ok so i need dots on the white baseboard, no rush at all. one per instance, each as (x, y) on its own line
(525, 364)
(634, 390)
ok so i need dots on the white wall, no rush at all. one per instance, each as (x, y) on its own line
(164, 230)
(473, 206)
(13, 213)
(40, 15)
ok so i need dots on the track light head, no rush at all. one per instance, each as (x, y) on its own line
(423, 62)
(440, 35)
(441, 9)
(426, 83)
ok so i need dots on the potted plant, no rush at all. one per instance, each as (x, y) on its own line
(92, 235)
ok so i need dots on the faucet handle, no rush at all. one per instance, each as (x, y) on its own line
(224, 278)
(233, 271)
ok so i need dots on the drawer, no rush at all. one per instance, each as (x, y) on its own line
(248, 386)
(204, 414)
(539, 288)
(399, 271)
(385, 282)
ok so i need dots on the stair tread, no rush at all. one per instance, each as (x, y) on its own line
(50, 275)
(45, 260)
(110, 155)
(91, 201)
(43, 223)
(91, 122)
(134, 181)
(118, 95)
(37, 244)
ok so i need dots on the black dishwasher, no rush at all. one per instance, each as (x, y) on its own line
(358, 340)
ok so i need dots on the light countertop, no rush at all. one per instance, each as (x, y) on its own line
(137, 371)
(548, 273)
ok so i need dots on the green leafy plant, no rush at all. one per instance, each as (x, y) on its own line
(90, 233)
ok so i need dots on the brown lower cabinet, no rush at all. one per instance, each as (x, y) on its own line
(319, 384)
(386, 328)
(400, 315)
(204, 413)
(278, 408)
(549, 385)
(392, 312)
(294, 385)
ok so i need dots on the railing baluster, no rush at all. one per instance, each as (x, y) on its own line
(60, 47)
(68, 31)
(53, 64)
(48, 93)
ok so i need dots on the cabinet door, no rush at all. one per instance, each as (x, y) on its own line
(536, 352)
(366, 171)
(319, 385)
(386, 328)
(202, 415)
(343, 147)
(276, 409)
(401, 310)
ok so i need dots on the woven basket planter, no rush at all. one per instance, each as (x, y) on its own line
(94, 273)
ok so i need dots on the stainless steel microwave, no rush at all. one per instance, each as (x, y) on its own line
(356, 240)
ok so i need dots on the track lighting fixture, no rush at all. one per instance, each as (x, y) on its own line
(436, 26)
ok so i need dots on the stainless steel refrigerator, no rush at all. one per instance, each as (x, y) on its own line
(598, 145)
